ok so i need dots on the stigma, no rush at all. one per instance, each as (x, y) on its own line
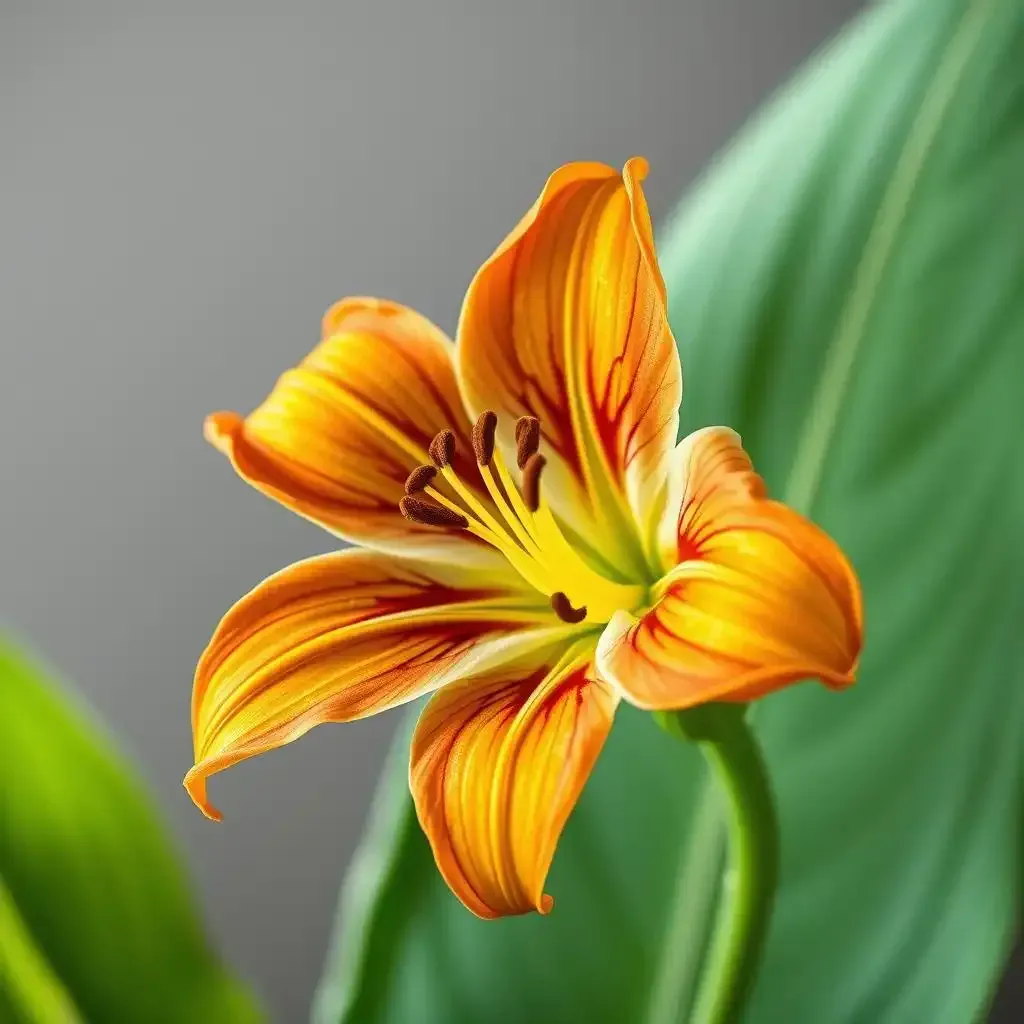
(518, 522)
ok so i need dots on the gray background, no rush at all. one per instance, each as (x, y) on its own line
(182, 194)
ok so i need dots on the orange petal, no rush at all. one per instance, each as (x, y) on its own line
(566, 322)
(761, 598)
(342, 636)
(497, 765)
(339, 434)
(710, 474)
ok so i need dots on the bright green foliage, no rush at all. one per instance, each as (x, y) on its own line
(96, 922)
(847, 290)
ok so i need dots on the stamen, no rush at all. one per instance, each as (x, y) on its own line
(471, 503)
(515, 520)
(527, 439)
(502, 477)
(531, 480)
(509, 503)
(419, 478)
(426, 513)
(524, 423)
(483, 437)
(442, 449)
(564, 609)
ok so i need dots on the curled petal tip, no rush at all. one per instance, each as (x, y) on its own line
(636, 168)
(839, 680)
(195, 786)
(221, 428)
(349, 309)
(332, 320)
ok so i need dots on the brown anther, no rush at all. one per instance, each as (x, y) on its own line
(419, 478)
(564, 610)
(522, 424)
(531, 481)
(527, 438)
(442, 449)
(483, 437)
(428, 513)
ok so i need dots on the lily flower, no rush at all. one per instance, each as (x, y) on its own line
(536, 547)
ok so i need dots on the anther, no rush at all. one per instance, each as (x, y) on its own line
(442, 449)
(531, 481)
(419, 478)
(564, 609)
(483, 437)
(426, 513)
(527, 438)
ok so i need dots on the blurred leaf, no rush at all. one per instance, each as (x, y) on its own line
(847, 289)
(96, 922)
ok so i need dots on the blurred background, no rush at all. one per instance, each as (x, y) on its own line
(185, 189)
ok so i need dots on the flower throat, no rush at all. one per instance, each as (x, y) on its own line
(521, 526)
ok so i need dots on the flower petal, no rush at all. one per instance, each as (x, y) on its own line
(497, 765)
(762, 597)
(345, 635)
(710, 474)
(339, 434)
(566, 322)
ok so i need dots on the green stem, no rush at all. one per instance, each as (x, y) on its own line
(748, 888)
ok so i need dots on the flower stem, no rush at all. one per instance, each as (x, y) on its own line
(748, 888)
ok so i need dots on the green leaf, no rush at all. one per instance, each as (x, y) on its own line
(96, 922)
(847, 290)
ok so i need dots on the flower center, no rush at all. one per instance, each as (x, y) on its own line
(521, 526)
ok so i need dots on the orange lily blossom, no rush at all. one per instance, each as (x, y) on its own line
(537, 545)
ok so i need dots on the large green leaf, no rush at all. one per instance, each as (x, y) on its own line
(96, 923)
(847, 289)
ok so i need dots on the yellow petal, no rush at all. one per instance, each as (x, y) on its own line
(761, 597)
(566, 322)
(497, 764)
(342, 636)
(339, 434)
